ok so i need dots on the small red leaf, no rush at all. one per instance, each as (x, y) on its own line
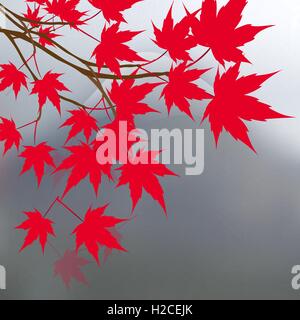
(83, 162)
(112, 49)
(38, 227)
(37, 157)
(175, 39)
(141, 176)
(181, 88)
(94, 232)
(9, 134)
(80, 121)
(11, 76)
(48, 88)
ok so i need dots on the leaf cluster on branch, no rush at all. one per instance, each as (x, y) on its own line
(210, 30)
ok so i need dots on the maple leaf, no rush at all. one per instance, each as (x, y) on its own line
(127, 98)
(180, 88)
(112, 49)
(66, 10)
(175, 39)
(69, 267)
(33, 15)
(80, 120)
(141, 176)
(37, 157)
(38, 228)
(11, 76)
(232, 104)
(46, 34)
(94, 231)
(111, 9)
(47, 88)
(9, 134)
(220, 31)
(83, 162)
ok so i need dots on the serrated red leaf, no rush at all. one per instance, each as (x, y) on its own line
(48, 88)
(69, 267)
(175, 39)
(40, 2)
(112, 49)
(220, 32)
(11, 76)
(33, 15)
(112, 9)
(47, 32)
(141, 176)
(66, 10)
(38, 227)
(94, 232)
(9, 134)
(181, 88)
(37, 157)
(232, 105)
(80, 121)
(127, 98)
(83, 162)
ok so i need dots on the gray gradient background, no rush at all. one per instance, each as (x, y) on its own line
(233, 233)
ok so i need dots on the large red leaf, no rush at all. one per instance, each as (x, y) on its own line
(232, 104)
(220, 32)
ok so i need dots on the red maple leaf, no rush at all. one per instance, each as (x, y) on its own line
(9, 134)
(111, 9)
(232, 104)
(46, 34)
(94, 231)
(48, 88)
(66, 10)
(38, 228)
(143, 175)
(181, 88)
(80, 120)
(11, 76)
(127, 97)
(83, 162)
(220, 31)
(112, 49)
(69, 267)
(33, 15)
(37, 157)
(175, 39)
